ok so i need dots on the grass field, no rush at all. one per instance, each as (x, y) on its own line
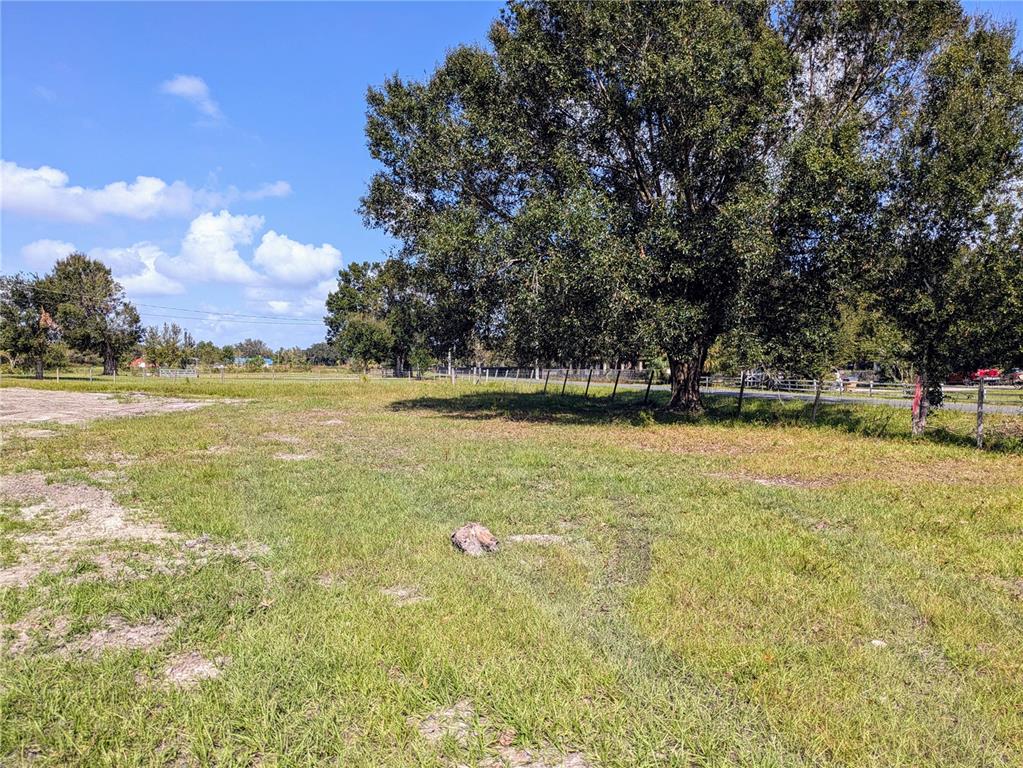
(762, 592)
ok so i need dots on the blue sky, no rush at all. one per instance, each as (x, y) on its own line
(212, 154)
(247, 119)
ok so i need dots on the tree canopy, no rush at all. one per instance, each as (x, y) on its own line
(90, 309)
(613, 177)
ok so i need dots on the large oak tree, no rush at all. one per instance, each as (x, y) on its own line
(613, 176)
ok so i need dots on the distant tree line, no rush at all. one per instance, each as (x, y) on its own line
(78, 314)
(777, 183)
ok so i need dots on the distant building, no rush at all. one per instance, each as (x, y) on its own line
(267, 361)
(138, 362)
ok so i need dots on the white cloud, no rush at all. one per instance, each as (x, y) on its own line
(44, 191)
(195, 91)
(295, 263)
(43, 254)
(291, 300)
(136, 268)
(270, 189)
(209, 250)
(45, 93)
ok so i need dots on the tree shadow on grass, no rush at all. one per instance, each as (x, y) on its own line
(629, 408)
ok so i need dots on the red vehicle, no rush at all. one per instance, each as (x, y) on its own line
(987, 375)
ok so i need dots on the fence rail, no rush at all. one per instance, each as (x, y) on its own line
(597, 381)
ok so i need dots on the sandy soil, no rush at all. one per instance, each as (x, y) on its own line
(19, 405)
(72, 522)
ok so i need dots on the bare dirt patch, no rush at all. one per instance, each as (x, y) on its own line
(278, 437)
(294, 456)
(74, 523)
(779, 481)
(117, 634)
(515, 757)
(26, 632)
(106, 476)
(404, 595)
(1013, 586)
(543, 539)
(187, 670)
(20, 405)
(330, 580)
(455, 722)
(68, 518)
(117, 458)
(114, 633)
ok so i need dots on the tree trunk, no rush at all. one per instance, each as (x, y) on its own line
(39, 367)
(685, 383)
(109, 361)
(920, 405)
(742, 391)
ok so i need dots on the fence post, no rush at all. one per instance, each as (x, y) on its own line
(588, 377)
(90, 373)
(742, 390)
(58, 374)
(980, 413)
(649, 381)
(565, 382)
(547, 378)
(221, 374)
(618, 373)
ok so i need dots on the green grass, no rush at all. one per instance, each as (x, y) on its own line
(713, 601)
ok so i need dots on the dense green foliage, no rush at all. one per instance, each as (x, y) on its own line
(26, 330)
(90, 310)
(609, 180)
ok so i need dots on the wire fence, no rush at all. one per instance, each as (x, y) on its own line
(596, 381)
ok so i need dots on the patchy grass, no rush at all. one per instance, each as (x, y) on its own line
(723, 591)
